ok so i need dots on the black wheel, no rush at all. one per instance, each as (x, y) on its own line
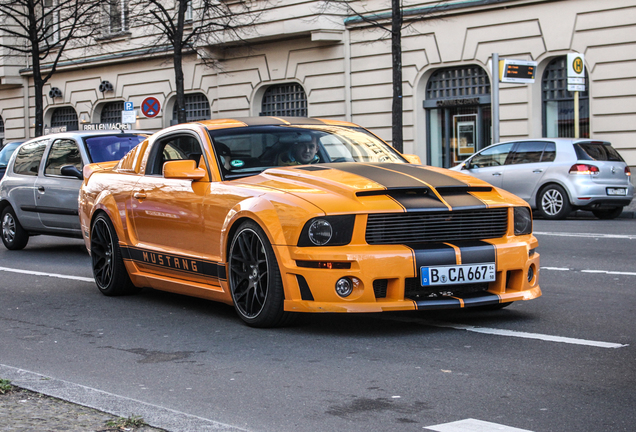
(14, 236)
(255, 282)
(554, 203)
(611, 213)
(109, 271)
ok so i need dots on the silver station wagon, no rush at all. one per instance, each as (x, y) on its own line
(557, 175)
(39, 191)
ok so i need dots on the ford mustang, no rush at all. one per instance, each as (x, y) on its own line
(284, 215)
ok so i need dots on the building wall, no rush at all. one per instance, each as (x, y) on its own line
(347, 74)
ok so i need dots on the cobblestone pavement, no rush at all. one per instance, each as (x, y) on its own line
(22, 410)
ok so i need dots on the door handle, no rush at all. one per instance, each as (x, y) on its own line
(141, 195)
(497, 174)
(41, 188)
(537, 171)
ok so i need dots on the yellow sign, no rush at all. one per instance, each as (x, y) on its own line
(577, 65)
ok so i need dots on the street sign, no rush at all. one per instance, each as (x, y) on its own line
(128, 106)
(128, 116)
(576, 87)
(517, 71)
(576, 65)
(150, 107)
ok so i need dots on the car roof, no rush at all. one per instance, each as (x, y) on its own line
(558, 140)
(270, 121)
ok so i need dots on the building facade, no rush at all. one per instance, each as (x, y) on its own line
(312, 59)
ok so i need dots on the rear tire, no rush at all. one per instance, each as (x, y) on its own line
(254, 277)
(612, 213)
(14, 236)
(109, 270)
(553, 203)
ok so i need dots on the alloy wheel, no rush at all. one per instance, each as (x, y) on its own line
(552, 202)
(249, 273)
(102, 253)
(8, 227)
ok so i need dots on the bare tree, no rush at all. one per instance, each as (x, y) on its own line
(392, 24)
(193, 27)
(43, 30)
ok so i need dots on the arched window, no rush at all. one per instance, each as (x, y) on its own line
(111, 112)
(457, 114)
(65, 116)
(284, 100)
(197, 107)
(558, 103)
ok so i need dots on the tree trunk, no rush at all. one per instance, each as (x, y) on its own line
(396, 52)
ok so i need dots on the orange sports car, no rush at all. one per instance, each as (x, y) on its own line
(284, 215)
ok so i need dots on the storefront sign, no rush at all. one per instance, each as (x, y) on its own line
(56, 129)
(457, 102)
(106, 126)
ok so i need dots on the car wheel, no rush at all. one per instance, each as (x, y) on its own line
(14, 236)
(109, 271)
(554, 203)
(255, 281)
(612, 213)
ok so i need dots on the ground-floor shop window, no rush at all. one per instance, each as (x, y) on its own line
(65, 116)
(458, 120)
(284, 100)
(111, 112)
(197, 107)
(558, 103)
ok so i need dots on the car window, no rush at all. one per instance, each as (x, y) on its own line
(104, 148)
(177, 147)
(597, 151)
(549, 153)
(528, 152)
(63, 152)
(493, 156)
(6, 152)
(27, 161)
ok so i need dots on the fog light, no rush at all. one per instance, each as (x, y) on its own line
(530, 273)
(344, 287)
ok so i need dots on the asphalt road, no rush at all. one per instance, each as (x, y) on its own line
(564, 362)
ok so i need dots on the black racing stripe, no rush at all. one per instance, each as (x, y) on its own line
(433, 178)
(435, 304)
(464, 201)
(172, 262)
(474, 252)
(305, 291)
(388, 179)
(480, 299)
(470, 300)
(434, 255)
(221, 271)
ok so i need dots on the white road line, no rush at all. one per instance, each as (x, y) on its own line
(539, 336)
(555, 268)
(587, 235)
(607, 272)
(472, 425)
(55, 275)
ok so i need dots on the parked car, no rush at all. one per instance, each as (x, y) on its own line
(284, 215)
(39, 191)
(557, 175)
(5, 155)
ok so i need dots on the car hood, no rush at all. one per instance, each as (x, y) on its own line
(381, 187)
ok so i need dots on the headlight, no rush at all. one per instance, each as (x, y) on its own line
(523, 221)
(327, 231)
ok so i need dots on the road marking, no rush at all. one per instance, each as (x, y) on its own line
(608, 272)
(55, 275)
(587, 235)
(525, 335)
(472, 425)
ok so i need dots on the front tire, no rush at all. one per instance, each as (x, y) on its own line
(109, 270)
(14, 236)
(254, 277)
(554, 203)
(611, 213)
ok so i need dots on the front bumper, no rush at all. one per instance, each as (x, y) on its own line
(386, 278)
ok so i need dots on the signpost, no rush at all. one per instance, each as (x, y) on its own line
(576, 83)
(128, 115)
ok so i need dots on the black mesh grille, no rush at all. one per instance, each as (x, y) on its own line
(425, 227)
(379, 287)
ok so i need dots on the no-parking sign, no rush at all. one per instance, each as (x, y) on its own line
(150, 107)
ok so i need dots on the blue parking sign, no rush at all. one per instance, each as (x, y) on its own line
(128, 106)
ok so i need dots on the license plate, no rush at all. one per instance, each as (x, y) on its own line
(458, 274)
(617, 191)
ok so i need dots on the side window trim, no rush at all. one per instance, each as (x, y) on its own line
(158, 146)
(50, 151)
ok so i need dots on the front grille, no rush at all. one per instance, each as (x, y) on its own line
(415, 291)
(426, 227)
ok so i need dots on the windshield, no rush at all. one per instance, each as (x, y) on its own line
(248, 151)
(104, 148)
(6, 152)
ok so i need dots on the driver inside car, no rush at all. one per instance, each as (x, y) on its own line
(301, 152)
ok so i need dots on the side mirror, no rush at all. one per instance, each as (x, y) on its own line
(71, 171)
(413, 159)
(183, 169)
